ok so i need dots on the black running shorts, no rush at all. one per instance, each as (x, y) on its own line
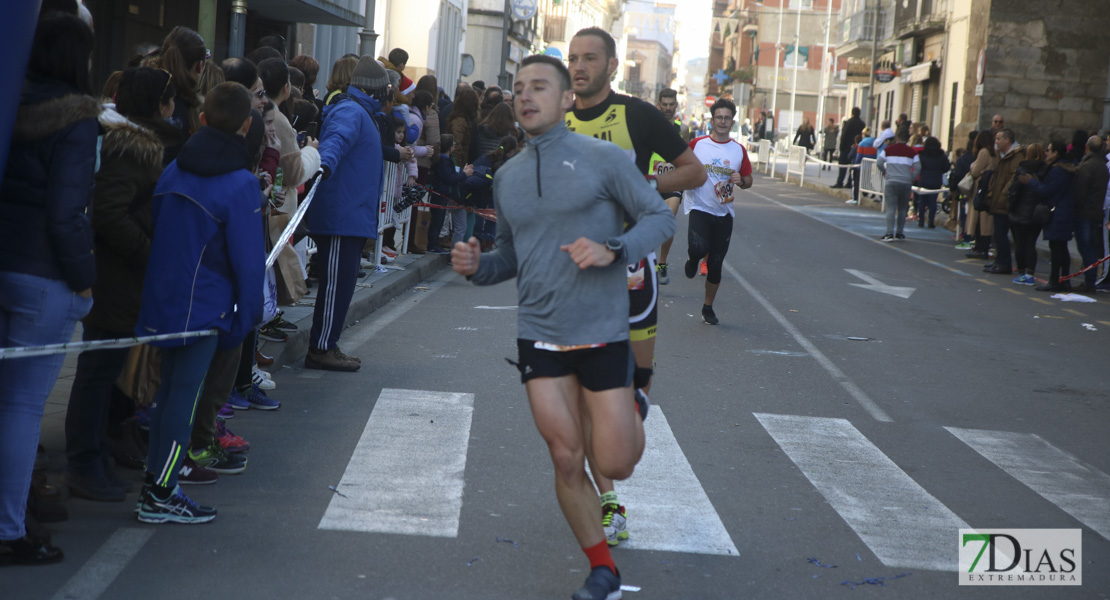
(598, 369)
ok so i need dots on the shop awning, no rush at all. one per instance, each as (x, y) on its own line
(319, 12)
(916, 73)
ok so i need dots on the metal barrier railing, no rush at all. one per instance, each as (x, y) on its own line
(387, 217)
(796, 164)
(871, 181)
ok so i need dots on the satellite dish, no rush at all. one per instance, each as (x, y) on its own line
(467, 68)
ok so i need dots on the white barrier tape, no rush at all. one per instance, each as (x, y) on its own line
(48, 349)
(287, 235)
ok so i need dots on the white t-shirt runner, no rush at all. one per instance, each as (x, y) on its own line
(721, 160)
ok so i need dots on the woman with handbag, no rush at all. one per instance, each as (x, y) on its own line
(1024, 213)
(1056, 190)
(980, 223)
(961, 184)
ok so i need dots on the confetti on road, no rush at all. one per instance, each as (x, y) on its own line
(873, 580)
(818, 563)
(333, 488)
(507, 541)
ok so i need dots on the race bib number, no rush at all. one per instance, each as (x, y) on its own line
(663, 167)
(724, 190)
(636, 275)
(563, 348)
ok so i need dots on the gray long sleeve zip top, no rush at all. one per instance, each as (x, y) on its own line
(591, 190)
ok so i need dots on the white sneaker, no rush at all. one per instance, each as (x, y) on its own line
(614, 520)
(262, 379)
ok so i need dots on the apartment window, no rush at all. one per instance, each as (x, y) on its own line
(796, 4)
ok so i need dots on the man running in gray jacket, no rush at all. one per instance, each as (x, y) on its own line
(568, 250)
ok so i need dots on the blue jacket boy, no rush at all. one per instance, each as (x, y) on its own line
(207, 256)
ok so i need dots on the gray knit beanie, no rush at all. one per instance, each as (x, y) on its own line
(369, 75)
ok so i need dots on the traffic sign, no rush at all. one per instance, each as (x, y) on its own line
(709, 101)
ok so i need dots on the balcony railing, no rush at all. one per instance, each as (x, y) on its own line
(860, 27)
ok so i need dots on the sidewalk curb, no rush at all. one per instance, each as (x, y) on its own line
(364, 302)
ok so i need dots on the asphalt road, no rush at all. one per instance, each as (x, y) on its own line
(858, 404)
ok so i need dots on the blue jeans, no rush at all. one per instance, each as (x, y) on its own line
(175, 406)
(1088, 240)
(33, 311)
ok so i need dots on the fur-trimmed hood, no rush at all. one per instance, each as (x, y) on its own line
(143, 140)
(47, 107)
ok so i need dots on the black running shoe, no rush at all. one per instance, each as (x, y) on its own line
(690, 268)
(602, 584)
(708, 315)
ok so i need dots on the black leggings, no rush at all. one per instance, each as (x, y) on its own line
(709, 235)
(1061, 260)
(1025, 245)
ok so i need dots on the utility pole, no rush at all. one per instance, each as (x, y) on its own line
(503, 78)
(775, 87)
(874, 49)
(368, 38)
(797, 54)
(237, 38)
(826, 63)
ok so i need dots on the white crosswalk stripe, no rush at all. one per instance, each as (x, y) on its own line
(902, 524)
(406, 474)
(1080, 490)
(668, 509)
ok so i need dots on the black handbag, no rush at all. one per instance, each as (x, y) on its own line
(1042, 214)
(980, 202)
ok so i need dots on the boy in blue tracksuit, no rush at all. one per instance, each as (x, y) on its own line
(205, 272)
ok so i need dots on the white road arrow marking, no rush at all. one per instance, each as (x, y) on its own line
(878, 286)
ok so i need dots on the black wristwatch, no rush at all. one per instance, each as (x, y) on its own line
(616, 246)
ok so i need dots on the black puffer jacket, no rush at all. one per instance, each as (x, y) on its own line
(934, 164)
(1022, 198)
(47, 185)
(131, 159)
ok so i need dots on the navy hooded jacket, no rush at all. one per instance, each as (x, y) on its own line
(207, 256)
(47, 185)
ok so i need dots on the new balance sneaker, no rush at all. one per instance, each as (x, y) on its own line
(1025, 279)
(690, 268)
(262, 379)
(614, 519)
(602, 584)
(215, 458)
(887, 238)
(193, 474)
(177, 508)
(661, 272)
(229, 441)
(258, 399)
(708, 315)
(237, 401)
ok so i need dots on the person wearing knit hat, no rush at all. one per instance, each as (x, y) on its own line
(344, 212)
(369, 75)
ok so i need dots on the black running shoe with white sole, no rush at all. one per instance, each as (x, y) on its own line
(177, 508)
(708, 315)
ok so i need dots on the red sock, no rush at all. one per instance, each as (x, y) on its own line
(599, 556)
